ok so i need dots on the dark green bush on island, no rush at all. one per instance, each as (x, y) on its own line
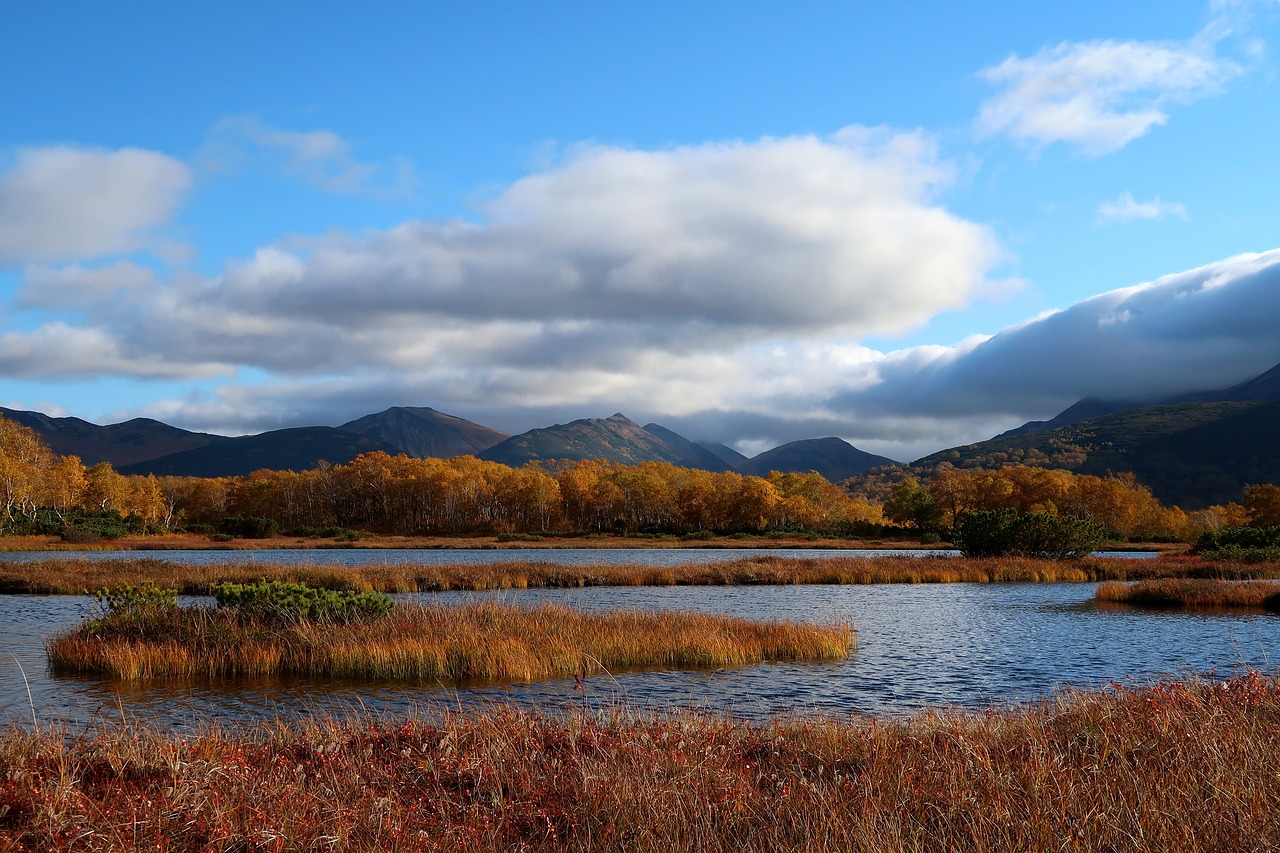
(249, 527)
(1246, 544)
(292, 602)
(1001, 532)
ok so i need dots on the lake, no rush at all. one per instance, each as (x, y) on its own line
(970, 645)
(483, 556)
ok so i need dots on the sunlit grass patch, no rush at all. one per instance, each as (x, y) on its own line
(1200, 593)
(78, 576)
(485, 641)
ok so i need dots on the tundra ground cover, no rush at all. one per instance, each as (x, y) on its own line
(1170, 592)
(483, 641)
(79, 576)
(1187, 766)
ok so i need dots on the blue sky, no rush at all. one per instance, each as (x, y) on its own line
(911, 225)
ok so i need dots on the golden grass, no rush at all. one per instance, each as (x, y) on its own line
(1184, 766)
(484, 641)
(1193, 593)
(78, 576)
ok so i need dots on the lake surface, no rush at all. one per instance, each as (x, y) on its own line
(971, 645)
(484, 556)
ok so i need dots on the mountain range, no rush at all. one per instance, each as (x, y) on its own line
(1192, 450)
(146, 446)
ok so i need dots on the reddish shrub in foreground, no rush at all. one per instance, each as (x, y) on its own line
(1179, 766)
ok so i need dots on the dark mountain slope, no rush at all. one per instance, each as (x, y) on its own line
(1265, 386)
(833, 458)
(120, 444)
(1189, 454)
(425, 433)
(690, 454)
(283, 449)
(616, 438)
(724, 451)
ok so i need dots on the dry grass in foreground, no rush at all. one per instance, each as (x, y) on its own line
(485, 641)
(78, 576)
(1193, 593)
(1185, 766)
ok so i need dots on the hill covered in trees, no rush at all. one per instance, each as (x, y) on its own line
(1189, 454)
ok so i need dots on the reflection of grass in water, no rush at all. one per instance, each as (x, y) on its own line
(1186, 766)
(1195, 593)
(75, 576)
(485, 641)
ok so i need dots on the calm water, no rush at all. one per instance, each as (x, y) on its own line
(485, 556)
(963, 644)
(472, 556)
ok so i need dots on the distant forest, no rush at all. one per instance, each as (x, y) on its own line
(399, 495)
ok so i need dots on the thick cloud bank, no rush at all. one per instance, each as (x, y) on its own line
(1204, 329)
(60, 203)
(721, 289)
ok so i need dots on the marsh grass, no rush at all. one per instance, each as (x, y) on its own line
(483, 641)
(78, 576)
(1193, 593)
(1181, 766)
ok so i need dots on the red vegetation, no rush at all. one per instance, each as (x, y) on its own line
(1186, 766)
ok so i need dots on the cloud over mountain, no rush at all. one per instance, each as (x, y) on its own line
(64, 203)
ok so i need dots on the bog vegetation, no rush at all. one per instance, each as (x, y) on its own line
(279, 628)
(398, 495)
(77, 576)
(1196, 593)
(1182, 766)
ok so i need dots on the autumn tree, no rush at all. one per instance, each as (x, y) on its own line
(912, 505)
(1262, 502)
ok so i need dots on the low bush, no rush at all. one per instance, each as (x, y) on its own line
(249, 527)
(1001, 532)
(1245, 544)
(519, 537)
(282, 601)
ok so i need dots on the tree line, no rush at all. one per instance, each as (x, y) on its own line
(400, 495)
(1124, 508)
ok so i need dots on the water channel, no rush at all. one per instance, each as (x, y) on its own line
(970, 645)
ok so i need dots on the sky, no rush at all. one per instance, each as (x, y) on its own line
(912, 225)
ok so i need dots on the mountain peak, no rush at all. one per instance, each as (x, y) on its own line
(833, 458)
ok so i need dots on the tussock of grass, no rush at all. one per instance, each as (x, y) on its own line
(484, 641)
(1184, 766)
(73, 576)
(1193, 593)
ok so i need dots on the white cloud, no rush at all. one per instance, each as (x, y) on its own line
(1098, 96)
(1124, 208)
(77, 285)
(322, 158)
(1200, 330)
(62, 203)
(612, 259)
(60, 351)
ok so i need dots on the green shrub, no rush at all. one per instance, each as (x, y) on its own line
(292, 602)
(144, 596)
(996, 533)
(1243, 544)
(133, 609)
(249, 527)
(519, 537)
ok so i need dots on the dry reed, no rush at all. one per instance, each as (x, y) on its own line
(1184, 766)
(1193, 593)
(77, 576)
(484, 641)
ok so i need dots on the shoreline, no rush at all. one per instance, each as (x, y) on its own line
(160, 543)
